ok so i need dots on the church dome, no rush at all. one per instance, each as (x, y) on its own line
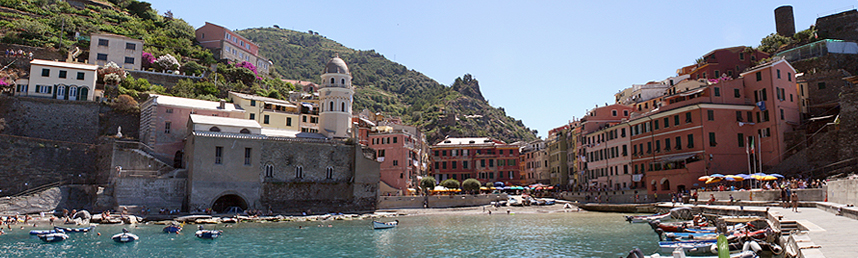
(336, 65)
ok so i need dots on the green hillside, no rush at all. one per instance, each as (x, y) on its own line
(388, 87)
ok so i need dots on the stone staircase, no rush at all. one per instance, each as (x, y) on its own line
(787, 227)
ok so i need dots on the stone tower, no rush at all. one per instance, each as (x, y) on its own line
(784, 21)
(335, 99)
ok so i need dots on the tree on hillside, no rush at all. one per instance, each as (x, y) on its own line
(471, 185)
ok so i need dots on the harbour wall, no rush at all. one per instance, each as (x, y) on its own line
(804, 195)
(153, 193)
(438, 201)
(843, 191)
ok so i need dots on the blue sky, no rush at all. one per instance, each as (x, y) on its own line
(544, 62)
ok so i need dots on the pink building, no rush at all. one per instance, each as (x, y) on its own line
(164, 123)
(727, 62)
(708, 130)
(486, 159)
(226, 44)
(599, 159)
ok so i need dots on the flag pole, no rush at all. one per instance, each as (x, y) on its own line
(748, 153)
(760, 147)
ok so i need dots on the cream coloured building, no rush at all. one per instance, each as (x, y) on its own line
(124, 51)
(335, 100)
(59, 80)
(268, 112)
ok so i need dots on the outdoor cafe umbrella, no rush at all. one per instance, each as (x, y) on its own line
(777, 175)
(714, 180)
(733, 178)
(703, 178)
(768, 178)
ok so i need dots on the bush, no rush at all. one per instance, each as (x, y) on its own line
(125, 103)
(427, 183)
(471, 185)
(451, 183)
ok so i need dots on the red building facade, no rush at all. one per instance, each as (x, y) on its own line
(486, 159)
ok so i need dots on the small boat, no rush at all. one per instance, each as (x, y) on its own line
(42, 232)
(172, 228)
(208, 234)
(637, 253)
(124, 237)
(229, 220)
(381, 225)
(647, 218)
(54, 237)
(689, 247)
(75, 230)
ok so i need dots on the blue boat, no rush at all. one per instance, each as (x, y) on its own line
(75, 230)
(172, 229)
(124, 237)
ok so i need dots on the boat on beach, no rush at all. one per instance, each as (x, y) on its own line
(647, 218)
(383, 225)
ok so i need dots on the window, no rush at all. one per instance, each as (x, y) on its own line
(214, 129)
(678, 143)
(491, 163)
(782, 114)
(710, 115)
(269, 170)
(129, 60)
(613, 112)
(625, 112)
(343, 106)
(80, 75)
(688, 117)
(465, 164)
(750, 117)
(130, 46)
(394, 139)
(252, 116)
(63, 74)
(759, 76)
(46, 72)
(218, 155)
(299, 172)
(655, 125)
(329, 172)
(247, 152)
(676, 120)
(758, 118)
(736, 93)
(103, 42)
(666, 122)
(482, 163)
(821, 85)
(739, 116)
(712, 142)
(741, 56)
(288, 121)
(101, 57)
(657, 146)
(648, 147)
(690, 141)
(717, 91)
(167, 126)
(625, 150)
(304, 119)
(252, 103)
(244, 131)
(169, 111)
(741, 139)
(265, 119)
(453, 164)
(380, 153)
(764, 95)
(443, 165)
(717, 75)
(766, 116)
(667, 144)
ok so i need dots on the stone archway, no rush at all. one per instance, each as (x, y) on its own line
(228, 200)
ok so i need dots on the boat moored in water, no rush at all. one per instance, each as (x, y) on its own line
(382, 225)
(173, 228)
(54, 237)
(124, 237)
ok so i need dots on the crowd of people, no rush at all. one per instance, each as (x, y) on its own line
(19, 54)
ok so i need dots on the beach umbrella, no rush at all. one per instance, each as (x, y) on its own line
(768, 178)
(716, 175)
(703, 178)
(714, 180)
(484, 188)
(744, 176)
(507, 187)
(777, 175)
(498, 184)
(733, 178)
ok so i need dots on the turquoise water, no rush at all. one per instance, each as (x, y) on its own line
(586, 234)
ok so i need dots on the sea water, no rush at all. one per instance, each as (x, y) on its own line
(572, 234)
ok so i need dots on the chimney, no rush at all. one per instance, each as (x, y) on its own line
(222, 104)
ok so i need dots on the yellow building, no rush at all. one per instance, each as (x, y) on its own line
(269, 112)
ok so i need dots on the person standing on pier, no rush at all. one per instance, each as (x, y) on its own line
(794, 199)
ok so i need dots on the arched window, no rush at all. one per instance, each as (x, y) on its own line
(61, 90)
(72, 92)
(329, 173)
(665, 184)
(332, 81)
(244, 131)
(331, 107)
(343, 106)
(299, 172)
(344, 81)
(83, 93)
(214, 129)
(269, 170)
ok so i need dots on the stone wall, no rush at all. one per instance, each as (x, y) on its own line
(62, 120)
(823, 101)
(164, 79)
(848, 128)
(297, 197)
(843, 191)
(38, 162)
(153, 193)
(77, 197)
(438, 201)
(841, 25)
